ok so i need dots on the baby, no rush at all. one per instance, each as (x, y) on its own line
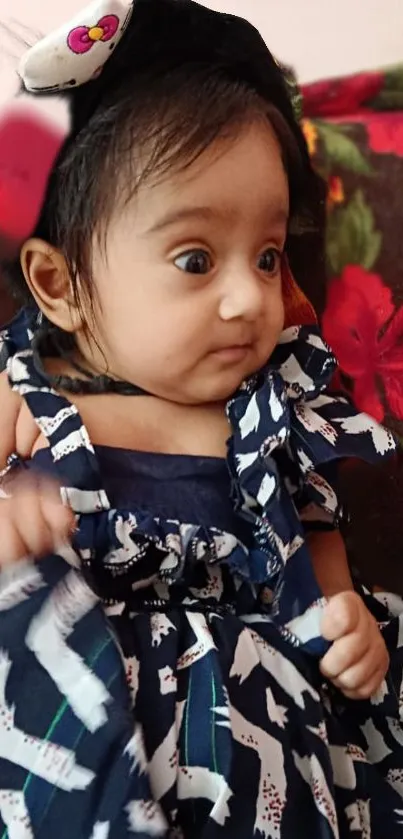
(185, 667)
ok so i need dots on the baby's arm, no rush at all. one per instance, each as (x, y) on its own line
(329, 560)
(358, 660)
(32, 518)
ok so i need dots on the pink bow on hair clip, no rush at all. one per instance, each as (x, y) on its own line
(82, 38)
(78, 51)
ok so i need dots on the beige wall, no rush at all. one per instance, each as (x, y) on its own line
(318, 37)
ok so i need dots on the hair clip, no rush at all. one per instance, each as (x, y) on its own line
(77, 52)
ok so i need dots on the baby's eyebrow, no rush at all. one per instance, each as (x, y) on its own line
(276, 215)
(183, 214)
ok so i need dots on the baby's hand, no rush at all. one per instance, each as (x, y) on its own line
(33, 521)
(357, 661)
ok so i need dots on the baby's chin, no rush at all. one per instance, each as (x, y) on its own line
(223, 388)
(207, 384)
(225, 384)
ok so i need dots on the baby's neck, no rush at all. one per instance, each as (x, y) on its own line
(154, 425)
(151, 424)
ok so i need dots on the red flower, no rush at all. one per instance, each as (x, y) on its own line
(385, 132)
(339, 97)
(365, 332)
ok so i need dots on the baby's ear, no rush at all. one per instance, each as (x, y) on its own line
(47, 276)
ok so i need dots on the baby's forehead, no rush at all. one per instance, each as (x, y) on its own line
(237, 175)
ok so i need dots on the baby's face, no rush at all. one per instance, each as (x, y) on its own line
(189, 288)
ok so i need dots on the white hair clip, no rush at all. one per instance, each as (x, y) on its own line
(78, 51)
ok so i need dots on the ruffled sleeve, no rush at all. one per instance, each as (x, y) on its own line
(325, 428)
(289, 434)
(313, 515)
(286, 417)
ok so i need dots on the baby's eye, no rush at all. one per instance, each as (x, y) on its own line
(194, 262)
(269, 261)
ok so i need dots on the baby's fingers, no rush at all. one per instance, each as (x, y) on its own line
(12, 545)
(342, 615)
(33, 521)
(345, 653)
(27, 531)
(59, 519)
(367, 690)
(365, 677)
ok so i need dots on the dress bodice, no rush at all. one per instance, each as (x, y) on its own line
(182, 487)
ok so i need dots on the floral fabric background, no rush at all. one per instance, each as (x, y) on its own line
(354, 130)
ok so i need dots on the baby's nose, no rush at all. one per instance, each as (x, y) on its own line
(243, 297)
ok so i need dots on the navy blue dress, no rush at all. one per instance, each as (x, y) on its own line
(161, 677)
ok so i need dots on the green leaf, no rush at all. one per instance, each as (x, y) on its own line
(388, 100)
(338, 245)
(342, 127)
(341, 150)
(390, 97)
(351, 237)
(393, 78)
(373, 250)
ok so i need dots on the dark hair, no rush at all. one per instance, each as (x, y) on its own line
(181, 77)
